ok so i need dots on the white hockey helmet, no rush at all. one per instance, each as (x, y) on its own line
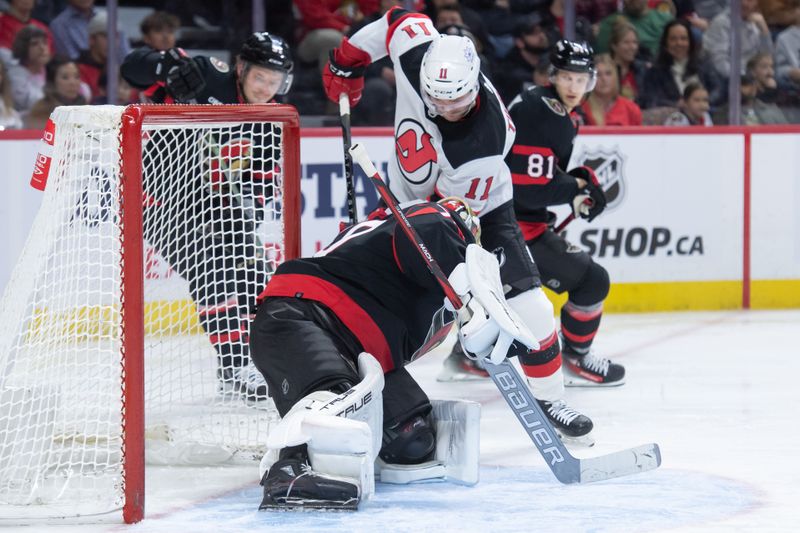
(450, 70)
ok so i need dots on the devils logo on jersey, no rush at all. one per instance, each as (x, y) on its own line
(415, 151)
(608, 166)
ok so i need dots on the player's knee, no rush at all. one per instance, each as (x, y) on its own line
(413, 441)
(593, 288)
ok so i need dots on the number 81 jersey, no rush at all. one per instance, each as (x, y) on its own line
(433, 156)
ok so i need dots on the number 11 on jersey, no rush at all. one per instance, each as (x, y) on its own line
(475, 184)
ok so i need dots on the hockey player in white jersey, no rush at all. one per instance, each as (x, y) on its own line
(452, 133)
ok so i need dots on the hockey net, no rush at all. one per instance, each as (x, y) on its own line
(123, 329)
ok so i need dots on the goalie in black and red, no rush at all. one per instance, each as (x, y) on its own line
(208, 233)
(332, 337)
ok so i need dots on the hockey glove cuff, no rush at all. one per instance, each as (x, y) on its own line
(591, 201)
(344, 72)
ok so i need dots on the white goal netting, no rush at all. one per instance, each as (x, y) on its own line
(214, 227)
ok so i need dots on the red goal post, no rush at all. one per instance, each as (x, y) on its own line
(156, 220)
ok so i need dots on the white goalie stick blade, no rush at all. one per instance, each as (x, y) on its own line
(565, 467)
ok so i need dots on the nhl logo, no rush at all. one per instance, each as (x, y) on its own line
(608, 165)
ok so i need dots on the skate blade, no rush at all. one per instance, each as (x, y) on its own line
(574, 380)
(449, 375)
(300, 505)
(584, 441)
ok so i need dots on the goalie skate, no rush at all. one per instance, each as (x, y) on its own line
(291, 484)
(572, 427)
(458, 367)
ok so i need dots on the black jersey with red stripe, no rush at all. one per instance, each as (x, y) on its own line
(140, 69)
(373, 278)
(539, 157)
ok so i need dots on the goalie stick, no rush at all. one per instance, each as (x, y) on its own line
(344, 115)
(565, 467)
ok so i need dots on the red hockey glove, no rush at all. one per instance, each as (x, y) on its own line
(344, 72)
(183, 76)
(590, 201)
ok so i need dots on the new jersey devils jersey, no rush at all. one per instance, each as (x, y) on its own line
(375, 280)
(541, 152)
(433, 156)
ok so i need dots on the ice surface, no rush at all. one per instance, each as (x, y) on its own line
(717, 391)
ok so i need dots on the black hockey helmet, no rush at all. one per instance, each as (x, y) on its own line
(269, 51)
(573, 57)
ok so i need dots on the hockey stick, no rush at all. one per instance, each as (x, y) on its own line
(344, 113)
(565, 223)
(565, 467)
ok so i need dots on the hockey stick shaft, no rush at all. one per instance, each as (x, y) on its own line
(564, 466)
(565, 223)
(344, 114)
(361, 157)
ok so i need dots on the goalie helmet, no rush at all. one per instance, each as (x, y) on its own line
(573, 57)
(450, 71)
(460, 207)
(269, 51)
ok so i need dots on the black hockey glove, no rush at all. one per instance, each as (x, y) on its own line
(183, 76)
(591, 200)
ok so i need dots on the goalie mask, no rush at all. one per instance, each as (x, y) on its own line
(465, 213)
(449, 76)
(268, 51)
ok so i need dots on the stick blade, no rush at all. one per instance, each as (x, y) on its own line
(624, 463)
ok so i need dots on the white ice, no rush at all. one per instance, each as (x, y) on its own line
(717, 391)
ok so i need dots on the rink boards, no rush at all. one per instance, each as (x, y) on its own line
(697, 218)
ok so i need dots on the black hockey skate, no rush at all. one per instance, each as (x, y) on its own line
(571, 426)
(245, 381)
(591, 370)
(291, 484)
(459, 367)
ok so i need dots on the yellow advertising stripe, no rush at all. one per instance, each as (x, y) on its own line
(774, 293)
(667, 296)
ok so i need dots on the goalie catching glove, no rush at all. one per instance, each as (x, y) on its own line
(487, 326)
(181, 74)
(591, 200)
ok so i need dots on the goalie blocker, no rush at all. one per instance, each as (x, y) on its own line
(332, 336)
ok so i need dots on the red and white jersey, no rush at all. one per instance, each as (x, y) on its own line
(432, 155)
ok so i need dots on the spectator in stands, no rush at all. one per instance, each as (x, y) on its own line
(762, 68)
(471, 18)
(777, 13)
(623, 47)
(553, 22)
(679, 62)
(685, 9)
(755, 37)
(604, 106)
(325, 23)
(17, 17)
(692, 108)
(125, 93)
(531, 47)
(755, 111)
(708, 9)
(9, 118)
(595, 10)
(28, 75)
(451, 16)
(787, 53)
(649, 24)
(92, 62)
(159, 30)
(71, 29)
(62, 87)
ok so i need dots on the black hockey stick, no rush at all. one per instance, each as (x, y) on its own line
(344, 114)
(565, 467)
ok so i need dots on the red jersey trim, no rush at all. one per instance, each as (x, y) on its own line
(353, 316)
(531, 230)
(524, 179)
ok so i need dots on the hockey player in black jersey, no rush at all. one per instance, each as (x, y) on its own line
(332, 337)
(452, 133)
(541, 152)
(207, 234)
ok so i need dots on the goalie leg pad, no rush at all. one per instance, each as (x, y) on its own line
(457, 453)
(343, 432)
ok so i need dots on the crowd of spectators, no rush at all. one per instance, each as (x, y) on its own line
(660, 62)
